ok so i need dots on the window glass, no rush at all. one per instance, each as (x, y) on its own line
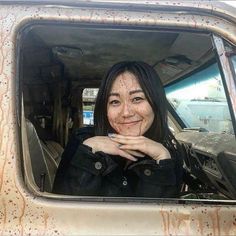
(234, 62)
(200, 101)
(89, 96)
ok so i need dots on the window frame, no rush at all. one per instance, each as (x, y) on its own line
(137, 199)
(228, 77)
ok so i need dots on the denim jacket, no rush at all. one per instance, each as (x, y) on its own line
(84, 173)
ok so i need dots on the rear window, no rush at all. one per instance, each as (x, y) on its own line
(89, 97)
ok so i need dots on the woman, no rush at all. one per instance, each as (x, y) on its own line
(130, 151)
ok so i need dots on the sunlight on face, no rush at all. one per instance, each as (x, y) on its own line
(128, 111)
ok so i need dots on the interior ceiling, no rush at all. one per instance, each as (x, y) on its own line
(87, 53)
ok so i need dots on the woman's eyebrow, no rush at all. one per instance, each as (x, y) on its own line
(114, 94)
(136, 91)
(130, 92)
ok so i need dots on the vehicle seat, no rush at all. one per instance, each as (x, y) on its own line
(45, 157)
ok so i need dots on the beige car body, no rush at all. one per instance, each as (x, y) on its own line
(23, 212)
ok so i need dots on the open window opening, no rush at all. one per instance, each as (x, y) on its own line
(62, 66)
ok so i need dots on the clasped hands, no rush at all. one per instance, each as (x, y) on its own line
(129, 147)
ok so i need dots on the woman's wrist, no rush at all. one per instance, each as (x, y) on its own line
(164, 154)
(88, 142)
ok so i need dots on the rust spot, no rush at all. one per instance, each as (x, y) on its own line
(166, 221)
(22, 211)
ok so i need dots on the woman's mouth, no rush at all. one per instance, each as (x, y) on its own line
(130, 122)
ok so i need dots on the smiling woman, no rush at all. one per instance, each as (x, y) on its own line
(128, 111)
(131, 152)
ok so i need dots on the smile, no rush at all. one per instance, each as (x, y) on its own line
(130, 122)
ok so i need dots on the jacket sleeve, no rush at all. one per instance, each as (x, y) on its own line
(82, 173)
(156, 180)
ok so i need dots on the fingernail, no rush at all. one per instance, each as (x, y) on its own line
(111, 135)
(134, 159)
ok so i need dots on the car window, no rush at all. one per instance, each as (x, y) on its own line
(60, 87)
(200, 101)
(89, 96)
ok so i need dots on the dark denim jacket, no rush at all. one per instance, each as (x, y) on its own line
(84, 173)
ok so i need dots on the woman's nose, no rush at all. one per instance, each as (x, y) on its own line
(127, 110)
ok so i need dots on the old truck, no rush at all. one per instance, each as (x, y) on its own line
(52, 50)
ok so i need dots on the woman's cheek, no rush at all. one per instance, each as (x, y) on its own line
(111, 115)
(115, 126)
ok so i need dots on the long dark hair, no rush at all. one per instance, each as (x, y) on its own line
(155, 94)
(153, 90)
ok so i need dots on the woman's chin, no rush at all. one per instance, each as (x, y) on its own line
(127, 132)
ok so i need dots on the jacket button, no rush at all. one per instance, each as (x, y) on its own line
(124, 181)
(147, 172)
(98, 165)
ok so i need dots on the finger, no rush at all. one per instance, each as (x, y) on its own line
(127, 155)
(127, 141)
(119, 136)
(135, 153)
(132, 147)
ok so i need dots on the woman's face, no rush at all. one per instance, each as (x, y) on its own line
(128, 111)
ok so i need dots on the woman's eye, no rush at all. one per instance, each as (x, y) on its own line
(114, 102)
(137, 99)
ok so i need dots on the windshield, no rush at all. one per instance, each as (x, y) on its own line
(200, 101)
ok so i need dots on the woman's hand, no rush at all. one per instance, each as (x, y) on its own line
(107, 145)
(141, 144)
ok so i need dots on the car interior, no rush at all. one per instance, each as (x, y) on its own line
(58, 61)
